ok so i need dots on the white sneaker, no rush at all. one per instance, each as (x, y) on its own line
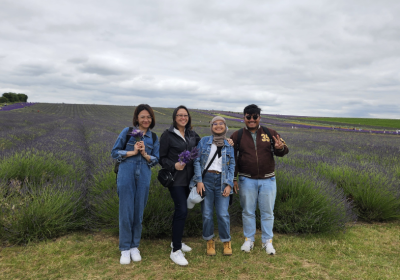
(135, 255)
(247, 246)
(268, 247)
(178, 257)
(125, 257)
(185, 248)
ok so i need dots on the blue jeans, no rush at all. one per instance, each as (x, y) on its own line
(262, 191)
(133, 183)
(212, 184)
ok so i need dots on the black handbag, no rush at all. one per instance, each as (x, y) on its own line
(165, 177)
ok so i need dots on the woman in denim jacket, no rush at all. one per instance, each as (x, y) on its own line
(133, 181)
(217, 183)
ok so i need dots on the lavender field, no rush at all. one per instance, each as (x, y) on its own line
(56, 174)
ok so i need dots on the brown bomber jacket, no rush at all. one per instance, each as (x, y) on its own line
(252, 163)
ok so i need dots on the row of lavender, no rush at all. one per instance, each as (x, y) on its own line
(15, 106)
(280, 121)
(57, 173)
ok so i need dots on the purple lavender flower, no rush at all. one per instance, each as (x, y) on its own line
(187, 156)
(184, 157)
(137, 134)
(194, 153)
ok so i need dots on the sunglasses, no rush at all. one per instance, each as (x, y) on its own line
(254, 117)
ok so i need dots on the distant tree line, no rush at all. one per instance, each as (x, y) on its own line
(13, 97)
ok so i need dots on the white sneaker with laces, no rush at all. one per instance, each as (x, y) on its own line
(185, 248)
(247, 246)
(178, 257)
(125, 257)
(135, 255)
(268, 247)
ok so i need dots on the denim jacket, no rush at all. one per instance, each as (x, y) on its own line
(228, 163)
(152, 150)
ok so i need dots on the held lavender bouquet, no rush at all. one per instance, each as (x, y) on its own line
(187, 156)
(137, 134)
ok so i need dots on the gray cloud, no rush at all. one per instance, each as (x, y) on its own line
(324, 58)
(33, 69)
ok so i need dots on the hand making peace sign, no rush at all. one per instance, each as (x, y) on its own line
(278, 143)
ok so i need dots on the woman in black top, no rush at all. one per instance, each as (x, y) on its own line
(178, 138)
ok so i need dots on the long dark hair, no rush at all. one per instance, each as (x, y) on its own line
(189, 123)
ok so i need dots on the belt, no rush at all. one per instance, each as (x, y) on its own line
(213, 171)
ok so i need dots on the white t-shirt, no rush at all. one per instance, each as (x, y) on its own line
(217, 163)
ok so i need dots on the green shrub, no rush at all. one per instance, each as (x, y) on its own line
(103, 199)
(32, 212)
(306, 203)
(36, 167)
(376, 197)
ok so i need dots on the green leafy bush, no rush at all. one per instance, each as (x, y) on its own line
(306, 203)
(35, 212)
(36, 167)
(376, 197)
(104, 202)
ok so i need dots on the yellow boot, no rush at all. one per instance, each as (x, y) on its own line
(227, 248)
(211, 248)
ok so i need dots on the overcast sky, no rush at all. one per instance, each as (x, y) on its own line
(313, 58)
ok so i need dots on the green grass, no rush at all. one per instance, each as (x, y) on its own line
(382, 123)
(366, 251)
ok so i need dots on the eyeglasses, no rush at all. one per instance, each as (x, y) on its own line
(145, 117)
(220, 123)
(254, 117)
(182, 116)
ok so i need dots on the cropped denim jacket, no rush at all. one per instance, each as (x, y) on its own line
(228, 163)
(152, 150)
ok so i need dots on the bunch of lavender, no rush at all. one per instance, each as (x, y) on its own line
(137, 134)
(187, 156)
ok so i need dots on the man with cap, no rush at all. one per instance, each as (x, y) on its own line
(255, 165)
(217, 159)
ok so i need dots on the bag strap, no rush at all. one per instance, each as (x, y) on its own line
(211, 161)
(239, 137)
(154, 136)
(128, 136)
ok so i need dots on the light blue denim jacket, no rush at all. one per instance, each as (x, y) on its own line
(228, 163)
(152, 150)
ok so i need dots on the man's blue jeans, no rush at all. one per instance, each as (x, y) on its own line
(133, 184)
(262, 191)
(212, 184)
